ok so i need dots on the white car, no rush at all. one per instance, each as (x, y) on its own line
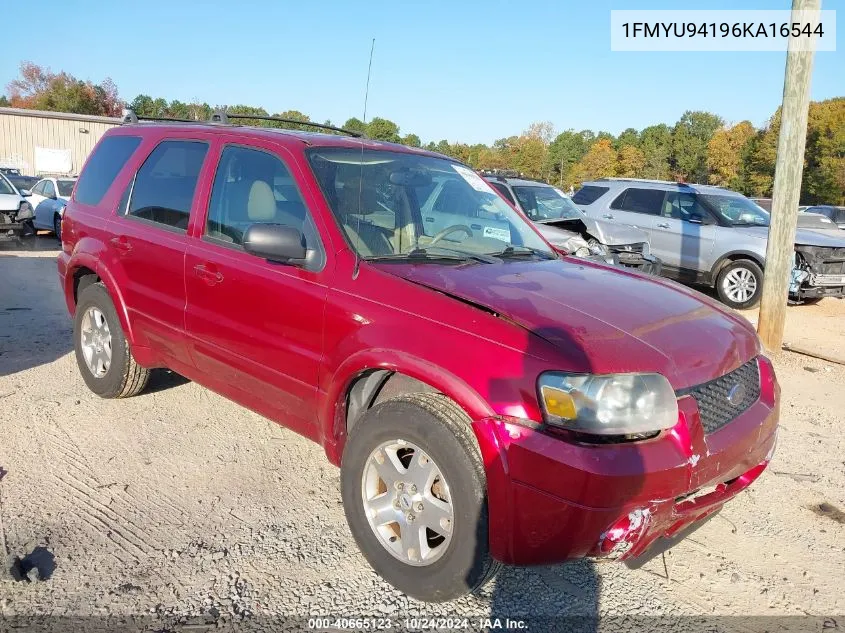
(15, 212)
(49, 197)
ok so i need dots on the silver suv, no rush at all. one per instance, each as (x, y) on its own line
(710, 235)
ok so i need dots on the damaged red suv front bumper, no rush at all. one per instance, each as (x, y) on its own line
(551, 500)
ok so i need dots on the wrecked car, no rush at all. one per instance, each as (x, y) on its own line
(705, 234)
(567, 228)
(15, 212)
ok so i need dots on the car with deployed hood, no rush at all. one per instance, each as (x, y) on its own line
(487, 400)
(710, 235)
(566, 227)
(15, 212)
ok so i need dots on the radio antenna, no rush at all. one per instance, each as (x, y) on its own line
(355, 268)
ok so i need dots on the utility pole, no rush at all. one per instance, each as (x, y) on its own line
(787, 185)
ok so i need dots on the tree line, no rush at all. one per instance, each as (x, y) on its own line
(700, 147)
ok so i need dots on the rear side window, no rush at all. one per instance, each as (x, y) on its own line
(589, 194)
(164, 185)
(102, 168)
(504, 191)
(648, 201)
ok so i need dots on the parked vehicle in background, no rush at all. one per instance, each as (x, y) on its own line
(22, 183)
(834, 214)
(49, 197)
(487, 400)
(566, 227)
(710, 235)
(816, 221)
(15, 212)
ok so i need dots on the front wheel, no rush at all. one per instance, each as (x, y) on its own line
(740, 284)
(57, 227)
(414, 493)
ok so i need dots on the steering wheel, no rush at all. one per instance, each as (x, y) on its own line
(448, 231)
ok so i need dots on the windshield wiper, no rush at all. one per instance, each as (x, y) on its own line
(421, 254)
(522, 251)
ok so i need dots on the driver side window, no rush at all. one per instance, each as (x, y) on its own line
(682, 206)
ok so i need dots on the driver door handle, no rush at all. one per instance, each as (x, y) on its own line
(211, 277)
(121, 244)
(608, 216)
(663, 225)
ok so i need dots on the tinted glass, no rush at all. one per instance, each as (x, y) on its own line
(683, 206)
(254, 187)
(390, 204)
(647, 201)
(102, 168)
(49, 189)
(504, 191)
(164, 186)
(5, 187)
(737, 210)
(589, 194)
(39, 188)
(66, 187)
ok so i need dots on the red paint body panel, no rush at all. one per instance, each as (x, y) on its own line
(288, 343)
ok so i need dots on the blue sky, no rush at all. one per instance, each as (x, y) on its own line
(461, 70)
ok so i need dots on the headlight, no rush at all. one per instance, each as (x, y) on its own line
(615, 404)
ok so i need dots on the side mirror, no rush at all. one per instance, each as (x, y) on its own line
(26, 193)
(276, 242)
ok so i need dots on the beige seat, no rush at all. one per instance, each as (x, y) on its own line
(261, 203)
(367, 238)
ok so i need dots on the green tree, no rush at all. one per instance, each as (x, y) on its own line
(824, 169)
(383, 130)
(245, 109)
(628, 137)
(411, 140)
(4, 102)
(656, 145)
(355, 125)
(690, 137)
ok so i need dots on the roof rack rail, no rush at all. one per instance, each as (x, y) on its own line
(225, 118)
(130, 117)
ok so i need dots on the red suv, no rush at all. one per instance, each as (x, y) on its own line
(488, 400)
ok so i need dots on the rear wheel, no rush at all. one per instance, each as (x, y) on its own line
(102, 351)
(740, 284)
(414, 493)
(57, 227)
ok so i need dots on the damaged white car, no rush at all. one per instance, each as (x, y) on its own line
(567, 228)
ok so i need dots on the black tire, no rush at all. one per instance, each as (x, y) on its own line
(810, 301)
(442, 430)
(742, 265)
(124, 377)
(57, 227)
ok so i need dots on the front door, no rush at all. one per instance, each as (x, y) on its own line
(255, 327)
(684, 234)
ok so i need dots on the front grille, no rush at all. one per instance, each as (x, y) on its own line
(721, 400)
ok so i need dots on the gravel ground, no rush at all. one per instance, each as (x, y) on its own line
(180, 504)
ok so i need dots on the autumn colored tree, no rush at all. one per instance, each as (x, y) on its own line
(725, 155)
(824, 169)
(690, 137)
(630, 162)
(599, 162)
(39, 88)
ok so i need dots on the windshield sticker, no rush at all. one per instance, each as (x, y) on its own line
(503, 235)
(475, 181)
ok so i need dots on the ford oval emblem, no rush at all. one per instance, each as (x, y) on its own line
(736, 394)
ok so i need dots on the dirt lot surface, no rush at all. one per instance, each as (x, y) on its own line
(180, 503)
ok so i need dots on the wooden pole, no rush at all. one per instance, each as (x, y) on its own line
(787, 186)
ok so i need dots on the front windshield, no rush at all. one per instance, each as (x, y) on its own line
(65, 187)
(545, 203)
(737, 210)
(394, 204)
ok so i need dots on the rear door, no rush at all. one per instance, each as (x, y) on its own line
(684, 234)
(148, 242)
(255, 327)
(637, 207)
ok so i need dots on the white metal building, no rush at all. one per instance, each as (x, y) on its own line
(37, 142)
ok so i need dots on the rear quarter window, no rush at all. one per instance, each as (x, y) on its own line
(102, 168)
(589, 194)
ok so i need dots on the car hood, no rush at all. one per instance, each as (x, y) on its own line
(605, 232)
(609, 320)
(9, 202)
(807, 237)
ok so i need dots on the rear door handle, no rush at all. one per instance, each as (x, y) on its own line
(121, 244)
(663, 225)
(211, 277)
(608, 216)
